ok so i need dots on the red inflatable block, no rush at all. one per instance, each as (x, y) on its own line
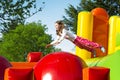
(96, 73)
(59, 66)
(21, 73)
(34, 56)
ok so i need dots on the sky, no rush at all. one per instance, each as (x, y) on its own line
(54, 10)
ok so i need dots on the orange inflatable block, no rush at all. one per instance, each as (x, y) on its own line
(96, 73)
(100, 29)
(34, 56)
(21, 73)
(23, 64)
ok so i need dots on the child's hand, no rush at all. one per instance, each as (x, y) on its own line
(48, 45)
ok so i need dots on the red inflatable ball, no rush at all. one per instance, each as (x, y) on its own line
(59, 66)
(4, 63)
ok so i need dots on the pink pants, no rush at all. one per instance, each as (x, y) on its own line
(86, 44)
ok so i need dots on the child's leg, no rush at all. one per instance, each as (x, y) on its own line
(86, 44)
(89, 43)
(80, 43)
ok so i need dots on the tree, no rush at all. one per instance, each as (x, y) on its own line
(16, 44)
(14, 12)
(71, 19)
(111, 6)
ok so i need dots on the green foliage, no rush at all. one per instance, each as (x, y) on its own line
(111, 6)
(16, 44)
(71, 20)
(14, 12)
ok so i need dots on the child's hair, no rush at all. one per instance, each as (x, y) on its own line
(61, 26)
(60, 23)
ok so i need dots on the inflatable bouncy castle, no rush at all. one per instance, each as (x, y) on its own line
(96, 26)
(99, 27)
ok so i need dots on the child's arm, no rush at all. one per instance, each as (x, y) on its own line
(55, 42)
(64, 32)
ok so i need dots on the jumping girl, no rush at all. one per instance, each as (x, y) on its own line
(63, 33)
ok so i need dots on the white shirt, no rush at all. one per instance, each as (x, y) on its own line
(64, 35)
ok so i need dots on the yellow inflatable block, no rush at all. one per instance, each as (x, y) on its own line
(84, 29)
(112, 33)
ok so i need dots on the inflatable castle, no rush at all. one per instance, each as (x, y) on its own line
(96, 26)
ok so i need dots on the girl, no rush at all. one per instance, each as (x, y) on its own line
(78, 41)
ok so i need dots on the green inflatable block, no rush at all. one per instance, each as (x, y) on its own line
(93, 61)
(112, 61)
